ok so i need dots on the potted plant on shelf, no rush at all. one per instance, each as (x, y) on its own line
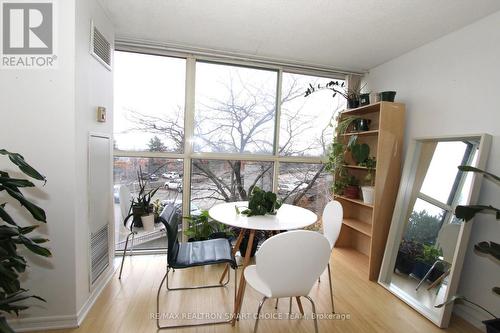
(489, 248)
(360, 152)
(387, 96)
(350, 94)
(368, 189)
(142, 209)
(351, 191)
(13, 236)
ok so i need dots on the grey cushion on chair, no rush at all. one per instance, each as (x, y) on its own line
(184, 255)
(208, 252)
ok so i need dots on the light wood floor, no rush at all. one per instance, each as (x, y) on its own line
(127, 305)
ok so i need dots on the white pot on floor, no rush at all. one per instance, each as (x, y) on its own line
(148, 222)
(368, 194)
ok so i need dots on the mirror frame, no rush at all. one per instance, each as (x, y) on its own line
(440, 317)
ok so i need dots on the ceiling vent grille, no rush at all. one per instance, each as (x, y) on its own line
(100, 47)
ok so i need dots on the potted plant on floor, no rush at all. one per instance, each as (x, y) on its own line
(489, 248)
(12, 236)
(430, 254)
(202, 227)
(142, 208)
(408, 252)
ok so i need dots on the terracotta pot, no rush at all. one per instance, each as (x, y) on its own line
(351, 192)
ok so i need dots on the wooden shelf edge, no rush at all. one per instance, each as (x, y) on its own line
(368, 108)
(356, 201)
(357, 167)
(357, 225)
(363, 133)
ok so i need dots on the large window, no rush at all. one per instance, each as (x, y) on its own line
(305, 124)
(149, 102)
(235, 109)
(207, 132)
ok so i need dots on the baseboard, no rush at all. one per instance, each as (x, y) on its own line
(468, 315)
(43, 323)
(99, 287)
(62, 322)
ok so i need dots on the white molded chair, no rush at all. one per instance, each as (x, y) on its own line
(332, 222)
(287, 265)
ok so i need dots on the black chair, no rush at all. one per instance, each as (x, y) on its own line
(192, 254)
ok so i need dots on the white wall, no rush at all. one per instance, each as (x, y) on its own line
(94, 87)
(47, 116)
(450, 86)
(37, 120)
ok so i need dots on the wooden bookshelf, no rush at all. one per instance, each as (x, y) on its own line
(365, 227)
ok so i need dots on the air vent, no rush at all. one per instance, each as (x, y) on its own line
(99, 253)
(100, 47)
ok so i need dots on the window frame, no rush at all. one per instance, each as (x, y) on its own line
(188, 153)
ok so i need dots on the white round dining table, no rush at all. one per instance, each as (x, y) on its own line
(288, 217)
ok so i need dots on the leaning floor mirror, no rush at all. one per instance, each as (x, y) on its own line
(426, 244)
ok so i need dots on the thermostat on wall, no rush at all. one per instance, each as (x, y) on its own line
(101, 114)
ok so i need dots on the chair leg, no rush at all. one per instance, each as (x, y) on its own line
(276, 305)
(201, 287)
(290, 307)
(331, 287)
(123, 257)
(258, 314)
(132, 245)
(314, 313)
(159, 314)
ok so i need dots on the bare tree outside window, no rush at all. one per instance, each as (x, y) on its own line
(235, 113)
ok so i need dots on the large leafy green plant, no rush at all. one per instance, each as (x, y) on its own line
(201, 227)
(262, 203)
(466, 213)
(12, 235)
(491, 248)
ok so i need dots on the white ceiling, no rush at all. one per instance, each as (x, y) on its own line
(346, 34)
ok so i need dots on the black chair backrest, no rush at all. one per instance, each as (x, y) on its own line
(169, 219)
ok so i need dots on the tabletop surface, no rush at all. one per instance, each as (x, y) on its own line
(289, 217)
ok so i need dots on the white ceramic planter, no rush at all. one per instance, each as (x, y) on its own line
(368, 194)
(148, 222)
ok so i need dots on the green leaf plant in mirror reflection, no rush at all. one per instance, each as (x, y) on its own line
(491, 248)
(12, 235)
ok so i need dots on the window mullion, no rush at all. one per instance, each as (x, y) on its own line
(188, 137)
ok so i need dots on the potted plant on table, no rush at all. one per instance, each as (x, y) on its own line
(489, 248)
(142, 208)
(260, 202)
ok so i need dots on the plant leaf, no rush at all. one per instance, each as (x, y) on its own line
(4, 327)
(489, 175)
(27, 169)
(5, 216)
(37, 212)
(468, 212)
(33, 247)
